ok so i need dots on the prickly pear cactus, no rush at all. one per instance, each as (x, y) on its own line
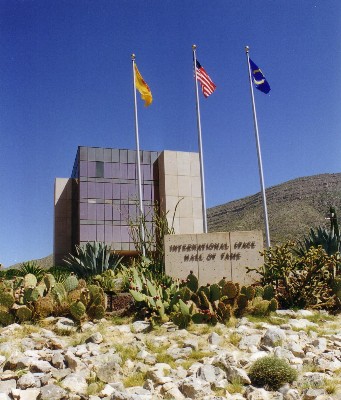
(70, 283)
(30, 281)
(77, 310)
(242, 301)
(74, 295)
(31, 295)
(44, 306)
(250, 292)
(96, 312)
(49, 281)
(231, 290)
(269, 292)
(6, 299)
(59, 293)
(6, 318)
(192, 282)
(23, 314)
(273, 305)
(259, 291)
(215, 293)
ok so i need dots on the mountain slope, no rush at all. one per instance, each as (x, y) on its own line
(293, 208)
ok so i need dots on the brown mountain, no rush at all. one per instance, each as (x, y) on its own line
(293, 208)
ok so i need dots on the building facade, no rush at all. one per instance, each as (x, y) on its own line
(101, 197)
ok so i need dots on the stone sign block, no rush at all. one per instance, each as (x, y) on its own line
(212, 256)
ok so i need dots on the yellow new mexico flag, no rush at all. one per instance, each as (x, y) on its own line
(143, 88)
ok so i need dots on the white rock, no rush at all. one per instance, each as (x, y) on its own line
(75, 383)
(273, 337)
(214, 338)
(301, 323)
(26, 381)
(107, 391)
(141, 326)
(304, 313)
(234, 373)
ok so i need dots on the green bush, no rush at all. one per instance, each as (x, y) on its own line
(271, 372)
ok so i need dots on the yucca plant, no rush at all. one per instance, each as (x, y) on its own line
(31, 267)
(92, 259)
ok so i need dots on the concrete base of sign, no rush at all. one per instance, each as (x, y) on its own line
(212, 256)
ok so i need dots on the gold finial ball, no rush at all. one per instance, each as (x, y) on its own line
(247, 48)
(133, 56)
(194, 46)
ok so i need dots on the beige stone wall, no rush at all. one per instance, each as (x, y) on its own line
(62, 238)
(179, 179)
(213, 256)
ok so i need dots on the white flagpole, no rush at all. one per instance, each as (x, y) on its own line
(260, 166)
(138, 160)
(201, 157)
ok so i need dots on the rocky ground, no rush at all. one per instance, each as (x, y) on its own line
(132, 361)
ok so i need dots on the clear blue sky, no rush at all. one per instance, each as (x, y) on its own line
(66, 80)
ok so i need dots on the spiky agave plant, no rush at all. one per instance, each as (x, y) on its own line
(31, 267)
(93, 258)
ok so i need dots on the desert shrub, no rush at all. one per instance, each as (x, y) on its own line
(271, 372)
(301, 281)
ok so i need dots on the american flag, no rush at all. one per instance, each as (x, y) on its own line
(207, 86)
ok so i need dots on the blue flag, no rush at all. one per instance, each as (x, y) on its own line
(258, 78)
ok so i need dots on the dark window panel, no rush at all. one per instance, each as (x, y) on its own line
(99, 169)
